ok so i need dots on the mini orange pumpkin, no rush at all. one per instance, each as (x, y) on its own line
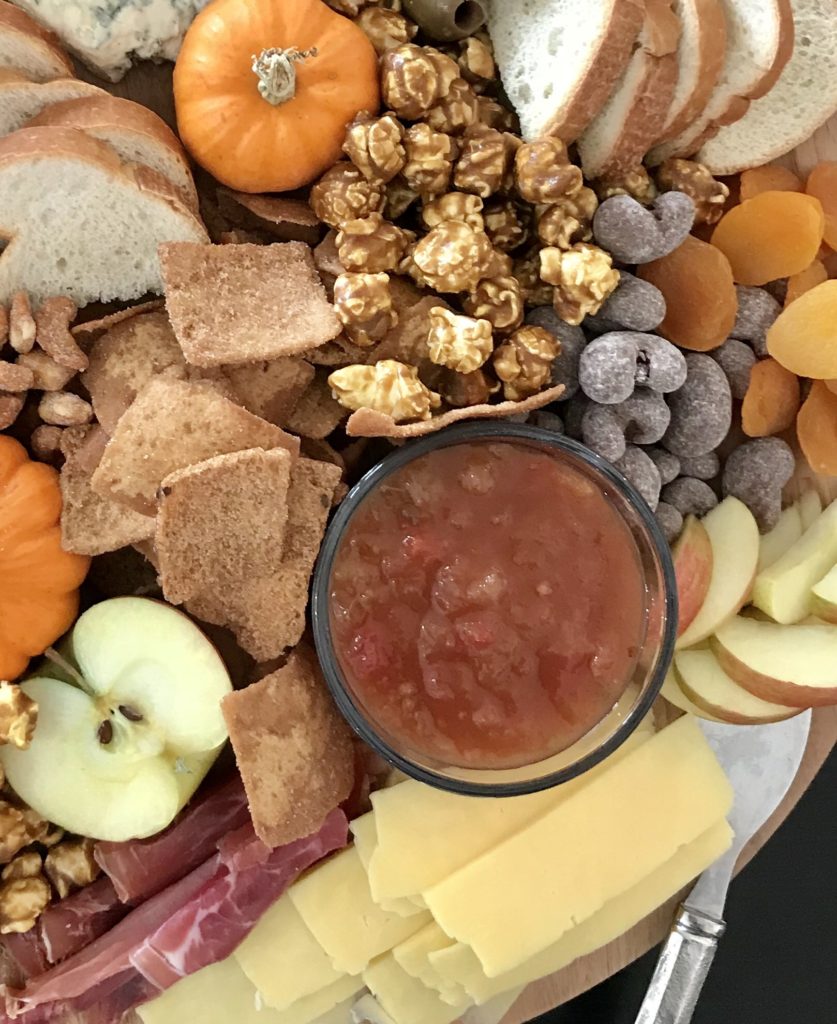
(39, 581)
(264, 90)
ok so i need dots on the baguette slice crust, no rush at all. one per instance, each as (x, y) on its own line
(137, 134)
(759, 43)
(804, 97)
(21, 100)
(80, 222)
(631, 120)
(560, 60)
(30, 48)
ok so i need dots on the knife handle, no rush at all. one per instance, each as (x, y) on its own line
(681, 969)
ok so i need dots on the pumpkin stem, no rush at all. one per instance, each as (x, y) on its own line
(276, 73)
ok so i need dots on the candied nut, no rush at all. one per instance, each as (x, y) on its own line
(639, 470)
(21, 323)
(387, 386)
(702, 467)
(343, 193)
(363, 302)
(461, 343)
(476, 62)
(375, 145)
(10, 407)
(505, 224)
(612, 365)
(399, 198)
(547, 420)
(634, 234)
(64, 409)
(15, 378)
(430, 158)
(572, 341)
(707, 193)
(52, 333)
(498, 300)
(485, 160)
(463, 389)
(737, 360)
(757, 311)
(453, 257)
(755, 473)
(454, 206)
(583, 277)
(18, 716)
(45, 443)
(670, 521)
(544, 172)
(527, 270)
(494, 115)
(637, 184)
(22, 901)
(413, 78)
(668, 465)
(385, 29)
(372, 244)
(71, 866)
(456, 111)
(701, 410)
(524, 361)
(635, 305)
(47, 375)
(25, 865)
(689, 496)
(641, 419)
(569, 220)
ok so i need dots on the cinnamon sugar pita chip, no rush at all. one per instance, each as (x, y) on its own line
(326, 259)
(270, 390)
(91, 328)
(318, 412)
(286, 219)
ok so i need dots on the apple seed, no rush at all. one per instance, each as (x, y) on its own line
(105, 732)
(130, 713)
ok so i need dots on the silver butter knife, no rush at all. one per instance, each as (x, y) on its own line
(761, 761)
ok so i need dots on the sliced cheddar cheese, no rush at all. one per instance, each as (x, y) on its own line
(313, 1008)
(406, 999)
(365, 834)
(414, 956)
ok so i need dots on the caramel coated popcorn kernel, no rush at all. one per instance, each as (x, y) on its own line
(485, 160)
(583, 277)
(461, 343)
(506, 224)
(363, 302)
(707, 193)
(453, 257)
(524, 361)
(371, 244)
(70, 866)
(430, 156)
(343, 193)
(457, 111)
(375, 145)
(544, 172)
(387, 386)
(454, 206)
(22, 901)
(18, 716)
(413, 78)
(570, 220)
(637, 183)
(386, 29)
(499, 300)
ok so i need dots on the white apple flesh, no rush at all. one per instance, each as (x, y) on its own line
(705, 683)
(674, 695)
(824, 597)
(810, 507)
(775, 543)
(117, 754)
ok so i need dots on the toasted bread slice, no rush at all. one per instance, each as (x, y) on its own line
(804, 97)
(619, 136)
(21, 99)
(29, 48)
(559, 60)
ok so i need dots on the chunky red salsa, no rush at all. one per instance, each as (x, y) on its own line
(487, 605)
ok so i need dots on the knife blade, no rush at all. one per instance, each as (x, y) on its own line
(761, 762)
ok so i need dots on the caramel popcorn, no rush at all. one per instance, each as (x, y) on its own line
(454, 206)
(363, 302)
(25, 865)
(18, 828)
(499, 300)
(371, 244)
(457, 111)
(399, 198)
(460, 390)
(387, 386)
(375, 145)
(570, 220)
(461, 343)
(18, 716)
(430, 157)
(499, 264)
(636, 183)
(22, 901)
(708, 194)
(524, 362)
(476, 62)
(494, 115)
(385, 29)
(505, 224)
(453, 257)
(413, 78)
(343, 193)
(485, 160)
(583, 277)
(544, 172)
(70, 866)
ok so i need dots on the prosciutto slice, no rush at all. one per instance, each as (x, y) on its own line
(71, 924)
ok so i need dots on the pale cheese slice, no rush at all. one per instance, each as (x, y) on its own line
(365, 835)
(312, 1008)
(414, 956)
(406, 999)
(599, 842)
(282, 959)
(336, 904)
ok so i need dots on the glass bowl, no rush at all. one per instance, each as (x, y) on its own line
(641, 688)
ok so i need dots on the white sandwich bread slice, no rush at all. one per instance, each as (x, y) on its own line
(759, 44)
(804, 97)
(631, 120)
(29, 48)
(560, 60)
(81, 222)
(136, 133)
(21, 100)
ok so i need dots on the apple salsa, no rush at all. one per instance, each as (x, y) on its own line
(487, 604)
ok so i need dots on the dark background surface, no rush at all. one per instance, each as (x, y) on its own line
(777, 963)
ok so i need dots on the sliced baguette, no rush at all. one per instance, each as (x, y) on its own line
(804, 97)
(759, 44)
(29, 48)
(137, 134)
(619, 136)
(21, 100)
(81, 222)
(559, 60)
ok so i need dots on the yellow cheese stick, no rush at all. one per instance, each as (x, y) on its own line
(335, 903)
(525, 894)
(406, 999)
(414, 956)
(460, 964)
(282, 959)
(366, 839)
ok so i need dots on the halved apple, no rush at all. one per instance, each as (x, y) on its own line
(791, 665)
(785, 533)
(693, 567)
(783, 590)
(674, 695)
(705, 683)
(824, 597)
(118, 752)
(734, 537)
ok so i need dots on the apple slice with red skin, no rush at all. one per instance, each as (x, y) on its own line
(693, 568)
(674, 695)
(824, 597)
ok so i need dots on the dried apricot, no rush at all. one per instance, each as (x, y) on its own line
(805, 280)
(768, 179)
(772, 400)
(816, 427)
(822, 183)
(803, 337)
(832, 386)
(696, 282)
(772, 235)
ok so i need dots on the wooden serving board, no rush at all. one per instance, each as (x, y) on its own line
(151, 85)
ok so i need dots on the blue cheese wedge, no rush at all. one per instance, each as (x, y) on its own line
(109, 34)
